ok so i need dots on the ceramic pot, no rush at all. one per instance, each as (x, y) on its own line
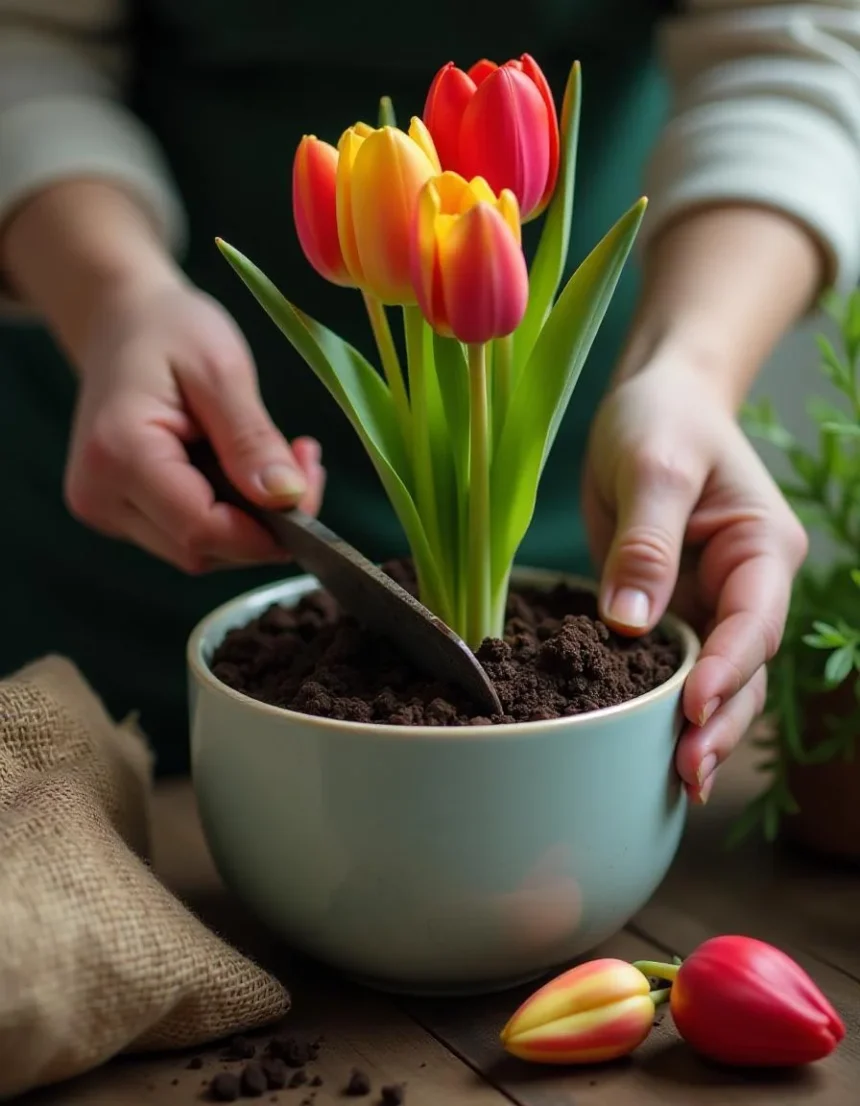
(436, 860)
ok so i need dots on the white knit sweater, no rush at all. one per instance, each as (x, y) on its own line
(766, 109)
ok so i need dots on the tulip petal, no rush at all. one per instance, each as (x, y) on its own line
(509, 210)
(387, 176)
(532, 70)
(504, 137)
(350, 143)
(447, 99)
(479, 192)
(484, 276)
(315, 208)
(481, 70)
(426, 276)
(423, 139)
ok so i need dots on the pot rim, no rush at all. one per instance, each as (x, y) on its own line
(197, 665)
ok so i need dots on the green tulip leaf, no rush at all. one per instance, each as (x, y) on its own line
(362, 394)
(543, 390)
(551, 256)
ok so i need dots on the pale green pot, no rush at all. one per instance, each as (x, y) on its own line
(436, 860)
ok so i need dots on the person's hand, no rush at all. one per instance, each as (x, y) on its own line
(162, 368)
(681, 511)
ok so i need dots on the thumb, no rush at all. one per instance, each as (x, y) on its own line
(226, 403)
(654, 504)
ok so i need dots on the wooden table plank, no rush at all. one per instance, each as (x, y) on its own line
(448, 1051)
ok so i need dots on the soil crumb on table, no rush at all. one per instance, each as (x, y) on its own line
(557, 658)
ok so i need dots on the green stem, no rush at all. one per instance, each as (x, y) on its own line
(500, 604)
(478, 598)
(661, 996)
(422, 452)
(503, 371)
(655, 970)
(387, 118)
(390, 363)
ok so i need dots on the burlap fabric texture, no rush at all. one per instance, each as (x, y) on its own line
(96, 956)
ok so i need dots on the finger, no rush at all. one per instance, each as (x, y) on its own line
(139, 530)
(307, 452)
(225, 400)
(178, 501)
(655, 497)
(750, 566)
(598, 520)
(702, 750)
(687, 600)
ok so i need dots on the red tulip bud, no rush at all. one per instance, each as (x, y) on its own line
(742, 1002)
(498, 122)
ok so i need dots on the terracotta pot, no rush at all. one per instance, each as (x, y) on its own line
(828, 794)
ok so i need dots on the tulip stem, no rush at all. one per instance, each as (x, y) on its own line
(503, 371)
(478, 597)
(422, 449)
(390, 363)
(655, 970)
(661, 996)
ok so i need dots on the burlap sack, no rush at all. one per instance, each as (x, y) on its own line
(96, 956)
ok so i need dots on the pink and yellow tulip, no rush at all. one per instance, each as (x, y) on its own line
(595, 1012)
(468, 268)
(499, 123)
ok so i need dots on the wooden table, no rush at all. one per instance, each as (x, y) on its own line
(447, 1051)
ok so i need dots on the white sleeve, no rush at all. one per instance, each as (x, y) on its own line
(63, 66)
(766, 110)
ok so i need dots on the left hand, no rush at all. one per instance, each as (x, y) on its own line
(681, 512)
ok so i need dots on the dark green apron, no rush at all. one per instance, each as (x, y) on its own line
(229, 87)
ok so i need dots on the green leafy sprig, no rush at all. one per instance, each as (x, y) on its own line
(820, 651)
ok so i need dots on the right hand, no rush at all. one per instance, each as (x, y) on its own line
(159, 369)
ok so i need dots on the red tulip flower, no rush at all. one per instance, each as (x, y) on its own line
(742, 1002)
(499, 123)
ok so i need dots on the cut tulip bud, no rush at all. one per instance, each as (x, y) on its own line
(468, 268)
(743, 1002)
(315, 209)
(499, 123)
(593, 1013)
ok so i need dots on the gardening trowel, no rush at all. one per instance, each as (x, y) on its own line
(363, 590)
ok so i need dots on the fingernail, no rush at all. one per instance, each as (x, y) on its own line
(630, 607)
(704, 792)
(706, 768)
(708, 709)
(282, 480)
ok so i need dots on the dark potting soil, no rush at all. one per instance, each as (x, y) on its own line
(557, 658)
